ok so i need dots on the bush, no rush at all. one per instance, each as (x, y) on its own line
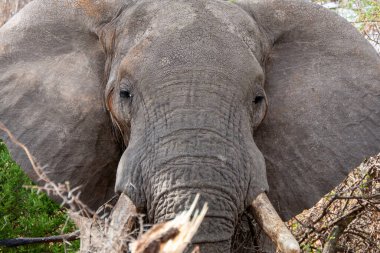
(346, 218)
(25, 213)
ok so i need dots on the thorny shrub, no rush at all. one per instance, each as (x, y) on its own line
(349, 215)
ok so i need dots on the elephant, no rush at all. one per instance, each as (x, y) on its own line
(258, 105)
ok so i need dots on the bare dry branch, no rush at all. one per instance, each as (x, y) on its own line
(348, 216)
(25, 241)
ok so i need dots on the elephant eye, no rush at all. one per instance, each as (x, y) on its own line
(258, 99)
(125, 94)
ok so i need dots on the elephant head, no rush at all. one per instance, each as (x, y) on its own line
(162, 100)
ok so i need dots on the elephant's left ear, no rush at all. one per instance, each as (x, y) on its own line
(51, 93)
(323, 86)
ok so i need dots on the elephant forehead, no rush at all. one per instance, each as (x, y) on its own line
(153, 18)
(169, 34)
(171, 15)
(239, 23)
(142, 25)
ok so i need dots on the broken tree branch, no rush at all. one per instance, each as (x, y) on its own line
(25, 241)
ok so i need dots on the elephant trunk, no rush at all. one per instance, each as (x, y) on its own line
(179, 175)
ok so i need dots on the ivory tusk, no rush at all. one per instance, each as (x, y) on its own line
(274, 227)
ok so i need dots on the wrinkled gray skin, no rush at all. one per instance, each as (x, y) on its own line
(185, 85)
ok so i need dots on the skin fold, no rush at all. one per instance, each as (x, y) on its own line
(162, 100)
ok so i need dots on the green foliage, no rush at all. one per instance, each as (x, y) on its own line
(24, 213)
(367, 12)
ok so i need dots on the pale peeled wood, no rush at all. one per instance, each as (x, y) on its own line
(104, 237)
(173, 236)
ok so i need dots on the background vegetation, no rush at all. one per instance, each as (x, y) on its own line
(25, 213)
(348, 218)
(363, 14)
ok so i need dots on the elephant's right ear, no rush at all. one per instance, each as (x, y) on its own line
(323, 87)
(51, 90)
